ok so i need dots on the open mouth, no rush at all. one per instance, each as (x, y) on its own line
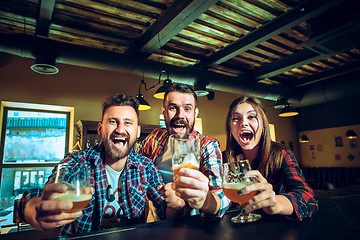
(246, 136)
(119, 142)
(179, 127)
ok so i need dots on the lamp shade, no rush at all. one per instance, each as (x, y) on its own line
(201, 92)
(45, 64)
(304, 139)
(143, 104)
(281, 102)
(200, 89)
(351, 134)
(159, 94)
(288, 111)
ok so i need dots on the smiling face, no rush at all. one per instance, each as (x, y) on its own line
(119, 130)
(179, 111)
(245, 126)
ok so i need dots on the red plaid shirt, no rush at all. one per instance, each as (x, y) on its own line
(290, 182)
(210, 165)
(139, 179)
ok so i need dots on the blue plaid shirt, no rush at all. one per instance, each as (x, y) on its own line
(210, 165)
(139, 180)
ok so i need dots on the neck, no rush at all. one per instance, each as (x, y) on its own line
(117, 165)
(251, 154)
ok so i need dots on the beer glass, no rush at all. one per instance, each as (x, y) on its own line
(233, 181)
(77, 180)
(185, 153)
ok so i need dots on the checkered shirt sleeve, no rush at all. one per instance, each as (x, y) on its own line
(296, 189)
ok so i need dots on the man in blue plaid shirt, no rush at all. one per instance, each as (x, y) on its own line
(205, 194)
(121, 180)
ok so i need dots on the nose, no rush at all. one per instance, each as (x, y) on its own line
(244, 122)
(180, 113)
(120, 128)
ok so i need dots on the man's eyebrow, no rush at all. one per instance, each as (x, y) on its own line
(128, 119)
(125, 119)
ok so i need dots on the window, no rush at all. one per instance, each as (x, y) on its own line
(272, 132)
(33, 139)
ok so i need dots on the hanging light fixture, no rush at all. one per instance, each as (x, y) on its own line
(45, 64)
(281, 101)
(351, 134)
(143, 104)
(200, 89)
(159, 94)
(288, 111)
(304, 139)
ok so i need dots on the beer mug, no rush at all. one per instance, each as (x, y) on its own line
(77, 180)
(185, 152)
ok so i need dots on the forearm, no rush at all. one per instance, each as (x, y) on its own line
(172, 213)
(282, 206)
(212, 204)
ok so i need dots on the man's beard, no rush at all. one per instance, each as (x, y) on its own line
(116, 154)
(173, 122)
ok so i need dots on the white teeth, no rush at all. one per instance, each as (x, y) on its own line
(245, 131)
(120, 139)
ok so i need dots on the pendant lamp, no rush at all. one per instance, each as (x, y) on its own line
(160, 92)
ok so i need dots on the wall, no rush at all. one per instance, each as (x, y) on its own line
(85, 89)
(324, 151)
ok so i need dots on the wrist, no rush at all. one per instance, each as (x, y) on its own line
(211, 204)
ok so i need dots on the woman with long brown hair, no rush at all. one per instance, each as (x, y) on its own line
(281, 185)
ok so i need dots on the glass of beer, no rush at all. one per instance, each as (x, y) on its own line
(77, 180)
(185, 153)
(233, 181)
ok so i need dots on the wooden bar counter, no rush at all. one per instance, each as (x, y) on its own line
(338, 218)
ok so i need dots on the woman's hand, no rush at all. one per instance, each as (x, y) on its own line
(266, 198)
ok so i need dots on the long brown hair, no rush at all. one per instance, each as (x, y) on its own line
(269, 152)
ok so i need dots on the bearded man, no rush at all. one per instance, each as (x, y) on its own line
(204, 194)
(121, 179)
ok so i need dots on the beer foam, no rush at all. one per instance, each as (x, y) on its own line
(73, 197)
(191, 158)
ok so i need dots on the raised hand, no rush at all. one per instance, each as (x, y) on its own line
(44, 213)
(266, 198)
(197, 187)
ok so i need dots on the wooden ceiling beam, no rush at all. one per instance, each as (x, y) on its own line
(331, 73)
(327, 45)
(282, 23)
(177, 17)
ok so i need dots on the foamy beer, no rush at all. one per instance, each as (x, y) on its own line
(185, 152)
(231, 191)
(233, 181)
(77, 180)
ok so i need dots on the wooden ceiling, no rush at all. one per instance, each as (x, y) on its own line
(290, 45)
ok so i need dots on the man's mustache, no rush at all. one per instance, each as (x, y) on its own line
(115, 134)
(173, 122)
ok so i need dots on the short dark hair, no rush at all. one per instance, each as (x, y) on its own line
(182, 88)
(120, 100)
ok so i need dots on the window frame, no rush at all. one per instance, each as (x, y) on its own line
(6, 105)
